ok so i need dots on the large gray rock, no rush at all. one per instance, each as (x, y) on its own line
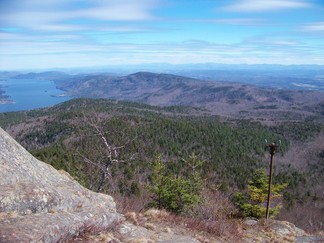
(41, 204)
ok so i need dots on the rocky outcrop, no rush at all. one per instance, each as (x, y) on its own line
(276, 231)
(41, 204)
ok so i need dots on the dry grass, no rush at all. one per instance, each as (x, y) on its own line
(131, 217)
(214, 217)
(150, 226)
(96, 233)
(307, 216)
(52, 210)
(143, 240)
(157, 214)
(229, 229)
(130, 204)
(7, 215)
(104, 237)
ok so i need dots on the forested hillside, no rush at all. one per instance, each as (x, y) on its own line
(74, 135)
(222, 98)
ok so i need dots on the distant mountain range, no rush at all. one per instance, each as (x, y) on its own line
(222, 98)
(226, 92)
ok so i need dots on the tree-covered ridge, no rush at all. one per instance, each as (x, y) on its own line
(229, 150)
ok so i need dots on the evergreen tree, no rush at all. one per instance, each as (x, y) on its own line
(175, 193)
(254, 204)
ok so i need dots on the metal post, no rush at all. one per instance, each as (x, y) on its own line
(272, 147)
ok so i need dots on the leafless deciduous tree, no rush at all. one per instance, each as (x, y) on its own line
(106, 154)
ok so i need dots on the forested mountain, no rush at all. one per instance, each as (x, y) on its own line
(222, 98)
(70, 136)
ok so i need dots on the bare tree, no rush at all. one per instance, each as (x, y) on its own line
(107, 154)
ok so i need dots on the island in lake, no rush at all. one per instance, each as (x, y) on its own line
(5, 99)
(59, 95)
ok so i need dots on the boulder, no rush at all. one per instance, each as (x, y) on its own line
(40, 204)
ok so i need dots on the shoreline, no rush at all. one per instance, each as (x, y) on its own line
(59, 95)
(6, 101)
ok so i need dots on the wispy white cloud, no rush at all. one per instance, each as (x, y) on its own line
(266, 5)
(9, 36)
(35, 13)
(272, 42)
(120, 11)
(232, 21)
(57, 27)
(63, 53)
(314, 27)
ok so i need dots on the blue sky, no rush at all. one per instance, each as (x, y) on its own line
(42, 34)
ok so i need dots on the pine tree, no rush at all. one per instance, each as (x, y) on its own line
(253, 205)
(175, 193)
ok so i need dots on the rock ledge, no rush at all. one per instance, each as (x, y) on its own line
(41, 204)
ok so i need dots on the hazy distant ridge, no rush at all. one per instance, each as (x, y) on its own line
(166, 89)
(217, 95)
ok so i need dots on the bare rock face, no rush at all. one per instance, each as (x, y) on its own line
(41, 204)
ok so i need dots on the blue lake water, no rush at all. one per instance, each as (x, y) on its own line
(29, 94)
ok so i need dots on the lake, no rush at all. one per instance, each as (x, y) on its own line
(29, 94)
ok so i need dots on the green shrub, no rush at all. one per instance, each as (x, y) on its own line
(175, 193)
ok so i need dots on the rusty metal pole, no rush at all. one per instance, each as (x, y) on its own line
(272, 147)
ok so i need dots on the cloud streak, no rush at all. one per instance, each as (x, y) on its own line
(35, 13)
(314, 27)
(231, 21)
(266, 5)
(251, 51)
